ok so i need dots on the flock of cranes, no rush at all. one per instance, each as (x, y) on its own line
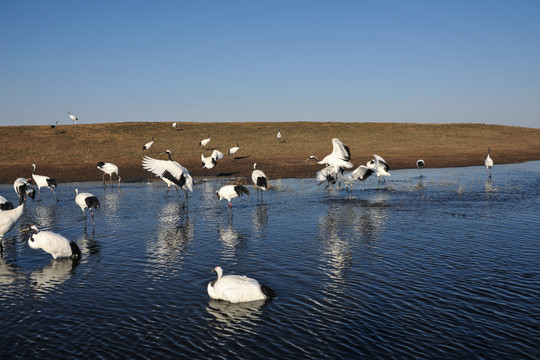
(232, 288)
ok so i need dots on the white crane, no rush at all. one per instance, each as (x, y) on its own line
(229, 192)
(53, 126)
(489, 163)
(237, 288)
(338, 158)
(54, 244)
(420, 164)
(360, 173)
(171, 172)
(205, 141)
(86, 201)
(8, 219)
(259, 180)
(211, 161)
(73, 117)
(327, 174)
(148, 145)
(234, 149)
(108, 169)
(174, 125)
(380, 166)
(278, 135)
(43, 181)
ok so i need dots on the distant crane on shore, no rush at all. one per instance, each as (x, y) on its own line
(234, 149)
(148, 145)
(73, 117)
(205, 141)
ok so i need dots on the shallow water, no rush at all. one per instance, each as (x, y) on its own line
(441, 266)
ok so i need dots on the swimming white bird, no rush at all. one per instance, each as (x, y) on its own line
(23, 188)
(237, 288)
(43, 181)
(86, 201)
(234, 149)
(380, 166)
(54, 244)
(339, 158)
(420, 164)
(259, 179)
(148, 145)
(205, 141)
(8, 219)
(108, 168)
(73, 117)
(171, 172)
(489, 163)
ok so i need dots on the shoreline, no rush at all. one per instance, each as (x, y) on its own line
(70, 153)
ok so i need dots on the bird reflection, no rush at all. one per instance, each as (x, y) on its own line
(260, 218)
(348, 227)
(53, 274)
(229, 314)
(174, 232)
(88, 244)
(488, 186)
(8, 273)
(45, 216)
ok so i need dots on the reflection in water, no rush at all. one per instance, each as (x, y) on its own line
(8, 273)
(45, 216)
(175, 230)
(235, 315)
(88, 244)
(346, 226)
(231, 239)
(488, 186)
(54, 274)
(260, 218)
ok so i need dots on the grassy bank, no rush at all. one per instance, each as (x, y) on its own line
(71, 152)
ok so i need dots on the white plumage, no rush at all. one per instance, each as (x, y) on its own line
(259, 179)
(174, 125)
(420, 164)
(234, 149)
(278, 134)
(205, 141)
(54, 244)
(380, 166)
(86, 201)
(43, 181)
(73, 117)
(360, 173)
(489, 163)
(237, 288)
(23, 188)
(211, 161)
(148, 145)
(328, 174)
(338, 158)
(108, 169)
(8, 219)
(171, 172)
(229, 192)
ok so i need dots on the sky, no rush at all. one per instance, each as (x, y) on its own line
(473, 61)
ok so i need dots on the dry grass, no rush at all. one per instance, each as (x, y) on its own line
(71, 152)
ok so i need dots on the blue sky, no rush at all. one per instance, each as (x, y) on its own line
(205, 61)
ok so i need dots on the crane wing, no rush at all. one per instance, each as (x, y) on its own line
(362, 173)
(170, 170)
(381, 162)
(340, 150)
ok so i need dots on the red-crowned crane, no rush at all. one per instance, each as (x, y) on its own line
(109, 169)
(489, 163)
(54, 244)
(86, 201)
(43, 181)
(236, 288)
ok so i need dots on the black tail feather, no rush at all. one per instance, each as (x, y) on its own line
(92, 202)
(75, 251)
(241, 189)
(268, 292)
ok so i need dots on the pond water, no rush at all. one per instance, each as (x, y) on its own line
(446, 265)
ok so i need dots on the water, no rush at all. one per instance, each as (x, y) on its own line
(443, 266)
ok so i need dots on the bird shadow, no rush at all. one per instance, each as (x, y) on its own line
(241, 157)
(228, 174)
